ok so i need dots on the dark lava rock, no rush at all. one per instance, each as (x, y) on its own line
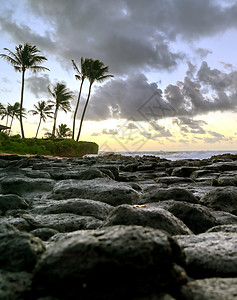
(19, 251)
(224, 228)
(104, 190)
(44, 233)
(210, 254)
(224, 181)
(183, 171)
(173, 180)
(197, 217)
(14, 285)
(23, 186)
(153, 217)
(210, 289)
(6, 228)
(12, 201)
(224, 199)
(173, 193)
(83, 207)
(118, 262)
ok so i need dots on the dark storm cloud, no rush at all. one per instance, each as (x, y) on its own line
(188, 125)
(38, 85)
(127, 35)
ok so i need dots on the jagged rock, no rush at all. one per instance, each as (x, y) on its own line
(15, 285)
(224, 228)
(141, 215)
(25, 186)
(17, 222)
(44, 233)
(197, 217)
(173, 180)
(183, 171)
(210, 254)
(224, 181)
(19, 251)
(83, 207)
(118, 262)
(6, 228)
(210, 289)
(178, 194)
(224, 199)
(12, 201)
(63, 222)
(104, 190)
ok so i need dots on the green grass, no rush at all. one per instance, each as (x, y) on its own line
(55, 147)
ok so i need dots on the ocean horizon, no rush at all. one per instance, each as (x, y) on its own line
(174, 155)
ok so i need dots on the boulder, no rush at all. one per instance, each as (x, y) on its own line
(224, 228)
(224, 181)
(210, 254)
(173, 180)
(6, 228)
(25, 186)
(104, 190)
(224, 218)
(118, 262)
(83, 207)
(183, 171)
(210, 289)
(12, 201)
(174, 193)
(14, 285)
(141, 215)
(44, 233)
(224, 199)
(197, 217)
(19, 251)
(64, 222)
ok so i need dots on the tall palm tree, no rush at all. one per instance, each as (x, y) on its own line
(62, 96)
(25, 57)
(44, 109)
(95, 72)
(81, 75)
(63, 131)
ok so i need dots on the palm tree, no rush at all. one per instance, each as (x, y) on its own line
(25, 57)
(62, 97)
(63, 131)
(15, 112)
(81, 75)
(43, 109)
(7, 112)
(95, 72)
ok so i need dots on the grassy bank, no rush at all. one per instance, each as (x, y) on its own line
(55, 147)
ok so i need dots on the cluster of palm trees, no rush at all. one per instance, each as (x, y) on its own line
(26, 57)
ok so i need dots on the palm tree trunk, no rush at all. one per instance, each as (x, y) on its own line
(76, 109)
(38, 128)
(21, 106)
(54, 124)
(84, 111)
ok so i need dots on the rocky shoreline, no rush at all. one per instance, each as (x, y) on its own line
(114, 227)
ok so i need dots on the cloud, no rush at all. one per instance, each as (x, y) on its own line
(189, 125)
(161, 131)
(110, 131)
(38, 85)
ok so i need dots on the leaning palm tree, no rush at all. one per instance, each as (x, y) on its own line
(95, 72)
(25, 57)
(44, 109)
(62, 96)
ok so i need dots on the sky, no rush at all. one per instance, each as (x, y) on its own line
(174, 65)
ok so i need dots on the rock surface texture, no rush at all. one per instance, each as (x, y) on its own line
(115, 227)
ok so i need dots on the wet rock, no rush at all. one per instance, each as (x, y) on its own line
(83, 207)
(12, 201)
(173, 180)
(17, 222)
(19, 251)
(210, 254)
(44, 233)
(210, 289)
(104, 190)
(24, 186)
(224, 199)
(183, 171)
(222, 166)
(152, 217)
(6, 228)
(224, 228)
(178, 194)
(14, 285)
(197, 217)
(224, 181)
(118, 262)
(63, 222)
(224, 218)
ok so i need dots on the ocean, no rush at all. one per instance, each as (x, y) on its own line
(175, 155)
